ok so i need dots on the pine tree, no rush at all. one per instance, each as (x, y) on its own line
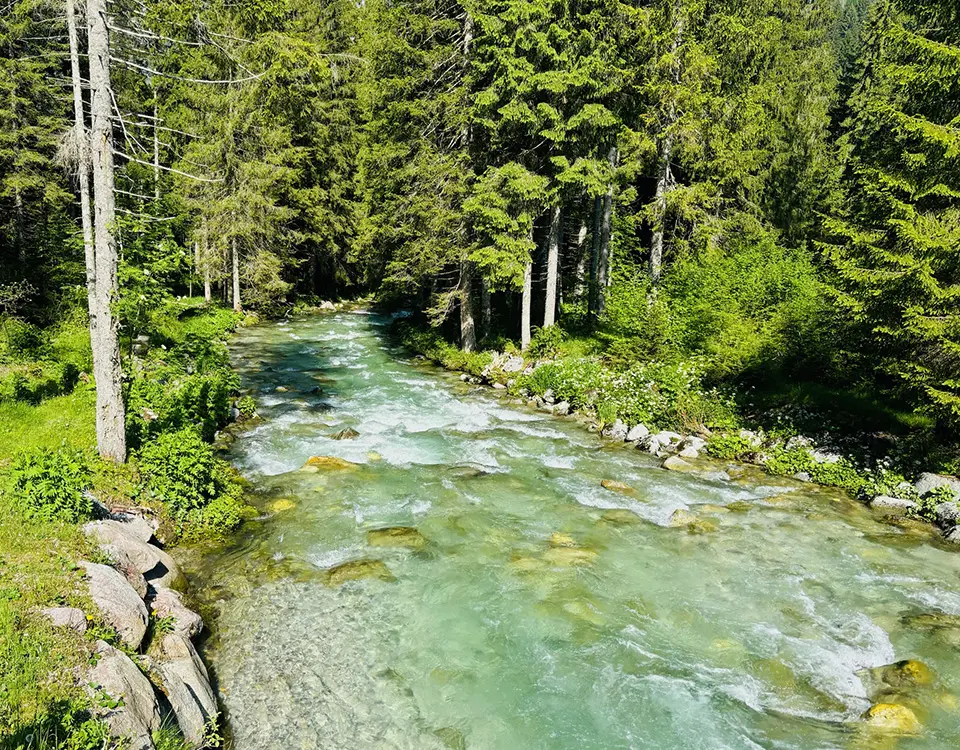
(894, 246)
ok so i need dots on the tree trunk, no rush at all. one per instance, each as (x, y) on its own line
(111, 440)
(526, 299)
(468, 332)
(83, 167)
(605, 260)
(594, 257)
(205, 262)
(553, 262)
(156, 150)
(237, 306)
(581, 271)
(485, 311)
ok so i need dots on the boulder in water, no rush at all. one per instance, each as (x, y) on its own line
(396, 536)
(328, 463)
(675, 463)
(620, 517)
(280, 505)
(451, 737)
(715, 509)
(892, 717)
(560, 539)
(358, 569)
(908, 673)
(615, 486)
(739, 506)
(682, 517)
(187, 687)
(892, 506)
(348, 433)
(564, 557)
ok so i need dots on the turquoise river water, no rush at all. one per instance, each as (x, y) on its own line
(537, 609)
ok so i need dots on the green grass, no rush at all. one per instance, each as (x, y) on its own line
(56, 421)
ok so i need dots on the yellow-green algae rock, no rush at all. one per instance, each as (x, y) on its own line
(281, 504)
(560, 539)
(682, 517)
(620, 517)
(614, 486)
(892, 717)
(358, 569)
(328, 463)
(396, 536)
(564, 557)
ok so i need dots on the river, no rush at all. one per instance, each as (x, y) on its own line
(537, 609)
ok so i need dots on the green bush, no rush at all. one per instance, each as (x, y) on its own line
(546, 342)
(728, 446)
(789, 462)
(927, 505)
(840, 473)
(247, 406)
(49, 485)
(19, 339)
(200, 492)
(578, 380)
(433, 346)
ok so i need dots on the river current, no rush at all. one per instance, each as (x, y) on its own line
(537, 609)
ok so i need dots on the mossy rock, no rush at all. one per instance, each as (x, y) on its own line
(893, 718)
(564, 557)
(701, 526)
(328, 463)
(280, 505)
(561, 539)
(356, 570)
(451, 737)
(396, 536)
(615, 486)
(908, 673)
(524, 564)
(682, 517)
(584, 611)
(348, 433)
(739, 506)
(932, 621)
(675, 463)
(714, 509)
(620, 517)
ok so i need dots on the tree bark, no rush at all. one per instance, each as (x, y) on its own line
(594, 257)
(111, 439)
(156, 150)
(605, 259)
(581, 270)
(83, 167)
(553, 262)
(485, 308)
(237, 306)
(468, 332)
(526, 299)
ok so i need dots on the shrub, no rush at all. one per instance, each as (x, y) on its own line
(728, 446)
(38, 380)
(546, 342)
(577, 380)
(790, 462)
(50, 485)
(247, 406)
(198, 490)
(840, 473)
(19, 339)
(927, 505)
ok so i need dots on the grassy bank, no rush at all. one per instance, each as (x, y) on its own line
(180, 391)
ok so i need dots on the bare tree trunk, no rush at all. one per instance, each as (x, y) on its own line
(553, 262)
(485, 311)
(156, 150)
(205, 261)
(111, 439)
(468, 332)
(665, 181)
(526, 299)
(604, 260)
(83, 167)
(237, 306)
(594, 257)
(580, 277)
(196, 266)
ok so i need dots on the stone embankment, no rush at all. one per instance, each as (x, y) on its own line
(153, 670)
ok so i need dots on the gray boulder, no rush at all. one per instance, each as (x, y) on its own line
(549, 396)
(512, 364)
(168, 603)
(66, 617)
(153, 563)
(953, 535)
(893, 506)
(928, 481)
(187, 685)
(617, 431)
(121, 606)
(122, 562)
(562, 408)
(694, 442)
(948, 514)
(689, 452)
(668, 439)
(137, 714)
(637, 432)
(675, 463)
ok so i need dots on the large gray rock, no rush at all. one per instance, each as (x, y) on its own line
(928, 481)
(893, 506)
(562, 408)
(168, 603)
(953, 535)
(668, 439)
(617, 431)
(637, 432)
(694, 442)
(121, 561)
(512, 364)
(187, 686)
(948, 514)
(66, 617)
(675, 463)
(121, 606)
(137, 714)
(153, 563)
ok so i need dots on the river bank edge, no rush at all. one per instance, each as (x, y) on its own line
(930, 498)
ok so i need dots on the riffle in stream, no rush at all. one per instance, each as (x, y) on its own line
(537, 609)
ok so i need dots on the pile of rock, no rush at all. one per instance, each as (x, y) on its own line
(142, 575)
(947, 514)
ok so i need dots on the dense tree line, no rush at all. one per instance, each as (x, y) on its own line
(770, 185)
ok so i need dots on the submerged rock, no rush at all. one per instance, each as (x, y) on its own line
(614, 486)
(328, 463)
(560, 539)
(739, 506)
(452, 738)
(892, 717)
(348, 433)
(569, 556)
(280, 505)
(908, 673)
(124, 696)
(682, 517)
(675, 463)
(620, 517)
(358, 569)
(396, 536)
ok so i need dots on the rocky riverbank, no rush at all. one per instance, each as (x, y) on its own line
(149, 673)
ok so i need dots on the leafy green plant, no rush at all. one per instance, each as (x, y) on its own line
(546, 342)
(789, 462)
(49, 485)
(928, 503)
(728, 446)
(247, 406)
